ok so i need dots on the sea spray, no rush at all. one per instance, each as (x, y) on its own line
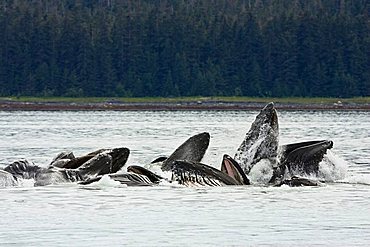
(332, 167)
(261, 172)
(107, 181)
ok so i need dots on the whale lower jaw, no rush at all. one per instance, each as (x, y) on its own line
(197, 174)
(127, 178)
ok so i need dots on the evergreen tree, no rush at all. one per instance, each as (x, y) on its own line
(184, 48)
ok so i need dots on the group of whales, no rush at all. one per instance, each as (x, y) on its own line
(290, 164)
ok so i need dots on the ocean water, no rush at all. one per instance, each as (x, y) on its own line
(107, 213)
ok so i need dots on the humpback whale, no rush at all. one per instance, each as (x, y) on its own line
(288, 163)
(304, 157)
(192, 150)
(194, 173)
(22, 169)
(154, 178)
(188, 173)
(69, 161)
(260, 144)
(261, 141)
(126, 178)
(92, 167)
(135, 176)
(67, 168)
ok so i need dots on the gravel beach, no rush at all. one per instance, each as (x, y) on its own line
(172, 106)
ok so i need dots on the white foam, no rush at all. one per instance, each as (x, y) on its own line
(358, 179)
(332, 167)
(107, 181)
(261, 172)
(157, 169)
(165, 182)
(27, 183)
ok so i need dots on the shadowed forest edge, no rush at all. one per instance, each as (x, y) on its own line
(170, 48)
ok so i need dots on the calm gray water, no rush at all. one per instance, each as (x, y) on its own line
(336, 214)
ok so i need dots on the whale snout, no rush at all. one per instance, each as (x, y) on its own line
(269, 106)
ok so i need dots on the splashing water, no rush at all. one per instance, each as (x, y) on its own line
(106, 182)
(27, 183)
(332, 167)
(157, 169)
(363, 179)
(261, 172)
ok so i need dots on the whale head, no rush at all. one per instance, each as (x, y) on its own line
(261, 141)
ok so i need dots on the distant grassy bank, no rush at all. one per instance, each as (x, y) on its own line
(293, 100)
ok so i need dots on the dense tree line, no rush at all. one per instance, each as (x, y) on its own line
(185, 47)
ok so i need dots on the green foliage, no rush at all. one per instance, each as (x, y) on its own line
(169, 48)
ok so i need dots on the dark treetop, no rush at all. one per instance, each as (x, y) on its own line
(185, 48)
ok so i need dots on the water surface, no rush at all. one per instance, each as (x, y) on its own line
(167, 215)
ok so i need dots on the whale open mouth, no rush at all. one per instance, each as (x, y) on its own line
(233, 169)
(304, 158)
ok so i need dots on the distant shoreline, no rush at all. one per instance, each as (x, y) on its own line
(9, 105)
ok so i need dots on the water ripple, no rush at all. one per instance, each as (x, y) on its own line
(69, 214)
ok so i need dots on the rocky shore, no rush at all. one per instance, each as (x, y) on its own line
(171, 106)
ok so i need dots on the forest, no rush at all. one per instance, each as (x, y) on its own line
(170, 48)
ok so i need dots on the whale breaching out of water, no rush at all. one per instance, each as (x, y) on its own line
(258, 160)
